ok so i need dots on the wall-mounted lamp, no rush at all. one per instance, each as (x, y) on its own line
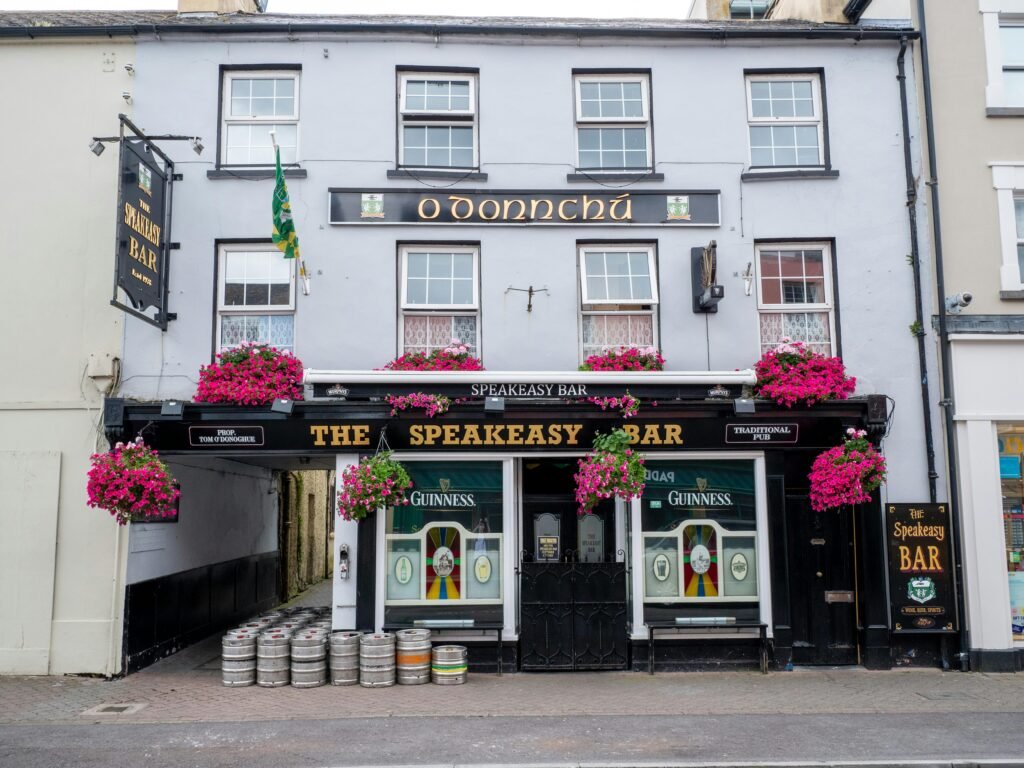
(197, 145)
(494, 406)
(743, 406)
(283, 405)
(97, 147)
(703, 271)
(174, 408)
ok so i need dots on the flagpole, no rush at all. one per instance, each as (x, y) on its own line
(303, 274)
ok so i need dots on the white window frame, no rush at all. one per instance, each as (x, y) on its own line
(817, 119)
(994, 14)
(235, 310)
(593, 307)
(828, 305)
(1008, 181)
(614, 122)
(405, 308)
(227, 119)
(413, 118)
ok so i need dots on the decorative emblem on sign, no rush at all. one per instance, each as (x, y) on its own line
(403, 570)
(444, 484)
(678, 207)
(738, 566)
(718, 391)
(700, 559)
(145, 179)
(444, 562)
(662, 567)
(371, 206)
(482, 569)
(337, 390)
(702, 484)
(921, 590)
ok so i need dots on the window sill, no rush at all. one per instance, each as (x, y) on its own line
(431, 173)
(599, 176)
(1012, 295)
(796, 173)
(1004, 112)
(254, 173)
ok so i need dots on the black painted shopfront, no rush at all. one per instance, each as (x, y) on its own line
(725, 492)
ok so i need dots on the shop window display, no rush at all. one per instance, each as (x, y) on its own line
(1011, 459)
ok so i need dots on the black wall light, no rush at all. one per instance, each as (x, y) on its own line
(704, 273)
(173, 408)
(283, 405)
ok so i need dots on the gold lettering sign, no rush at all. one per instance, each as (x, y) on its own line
(585, 208)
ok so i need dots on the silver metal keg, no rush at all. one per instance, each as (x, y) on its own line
(449, 665)
(273, 654)
(412, 656)
(377, 660)
(344, 658)
(238, 658)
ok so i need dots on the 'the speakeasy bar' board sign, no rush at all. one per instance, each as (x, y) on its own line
(921, 568)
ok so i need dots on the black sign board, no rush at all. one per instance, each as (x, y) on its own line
(143, 228)
(516, 208)
(523, 390)
(220, 437)
(922, 589)
(759, 434)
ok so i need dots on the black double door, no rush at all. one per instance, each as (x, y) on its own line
(822, 586)
(572, 585)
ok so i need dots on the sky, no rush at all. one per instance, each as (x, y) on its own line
(658, 9)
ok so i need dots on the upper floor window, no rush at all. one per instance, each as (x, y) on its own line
(613, 126)
(255, 297)
(619, 297)
(256, 103)
(785, 121)
(794, 296)
(438, 121)
(440, 298)
(1011, 39)
(748, 9)
(1002, 23)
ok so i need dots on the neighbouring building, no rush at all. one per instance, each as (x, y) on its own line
(975, 52)
(541, 190)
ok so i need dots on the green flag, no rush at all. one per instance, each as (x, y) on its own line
(284, 236)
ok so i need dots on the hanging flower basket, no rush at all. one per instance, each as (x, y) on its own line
(846, 474)
(627, 405)
(131, 483)
(252, 374)
(611, 469)
(792, 374)
(626, 359)
(454, 357)
(432, 405)
(376, 481)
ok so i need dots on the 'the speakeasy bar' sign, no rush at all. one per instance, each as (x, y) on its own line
(514, 207)
(920, 568)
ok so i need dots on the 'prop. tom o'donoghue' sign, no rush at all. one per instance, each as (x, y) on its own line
(514, 207)
(921, 568)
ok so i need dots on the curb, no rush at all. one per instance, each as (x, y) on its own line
(954, 763)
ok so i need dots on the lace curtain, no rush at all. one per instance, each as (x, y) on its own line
(276, 330)
(812, 328)
(604, 332)
(426, 333)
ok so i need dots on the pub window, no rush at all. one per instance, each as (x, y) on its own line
(438, 121)
(699, 529)
(256, 103)
(613, 125)
(255, 297)
(619, 297)
(794, 296)
(440, 298)
(443, 551)
(785, 121)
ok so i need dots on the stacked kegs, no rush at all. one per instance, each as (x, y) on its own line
(377, 660)
(412, 656)
(345, 658)
(309, 657)
(273, 652)
(449, 665)
(238, 657)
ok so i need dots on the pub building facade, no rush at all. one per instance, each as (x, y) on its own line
(510, 184)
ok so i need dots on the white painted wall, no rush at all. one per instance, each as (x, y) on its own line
(228, 510)
(55, 312)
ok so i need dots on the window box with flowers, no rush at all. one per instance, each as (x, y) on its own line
(251, 374)
(792, 374)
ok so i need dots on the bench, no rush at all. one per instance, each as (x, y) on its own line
(497, 627)
(707, 622)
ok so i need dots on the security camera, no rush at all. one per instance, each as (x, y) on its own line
(955, 304)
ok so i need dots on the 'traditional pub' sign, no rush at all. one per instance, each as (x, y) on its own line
(921, 583)
(143, 226)
(514, 207)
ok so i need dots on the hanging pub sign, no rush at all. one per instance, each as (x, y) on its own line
(922, 591)
(143, 227)
(513, 207)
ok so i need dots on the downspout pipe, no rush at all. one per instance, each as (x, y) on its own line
(915, 262)
(945, 363)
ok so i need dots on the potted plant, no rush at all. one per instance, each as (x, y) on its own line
(627, 405)
(846, 474)
(791, 373)
(252, 374)
(625, 359)
(432, 405)
(376, 481)
(131, 482)
(454, 357)
(612, 468)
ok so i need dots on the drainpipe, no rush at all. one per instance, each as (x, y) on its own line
(915, 260)
(945, 364)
